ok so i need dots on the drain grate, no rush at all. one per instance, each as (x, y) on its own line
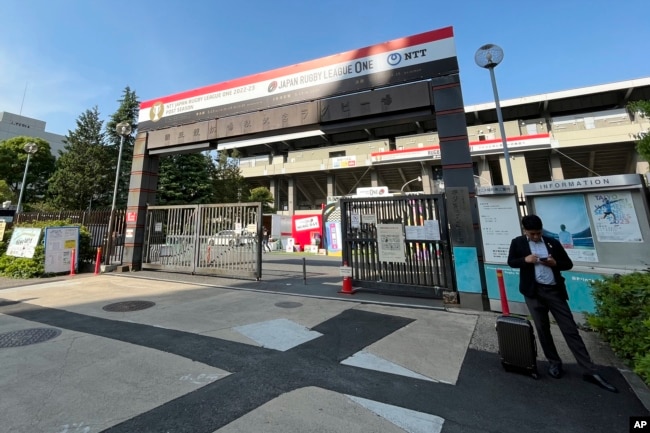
(127, 306)
(25, 337)
(288, 304)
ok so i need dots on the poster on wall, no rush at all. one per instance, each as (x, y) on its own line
(333, 237)
(390, 243)
(614, 217)
(499, 217)
(566, 219)
(23, 242)
(59, 243)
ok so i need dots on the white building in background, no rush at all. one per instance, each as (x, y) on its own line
(14, 125)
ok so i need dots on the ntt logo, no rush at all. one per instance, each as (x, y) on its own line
(394, 59)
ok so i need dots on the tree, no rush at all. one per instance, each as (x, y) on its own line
(228, 183)
(84, 174)
(643, 145)
(6, 194)
(126, 112)
(12, 167)
(262, 194)
(185, 179)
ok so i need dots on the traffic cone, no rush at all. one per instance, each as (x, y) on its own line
(347, 280)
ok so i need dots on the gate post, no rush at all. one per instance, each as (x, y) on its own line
(458, 175)
(142, 191)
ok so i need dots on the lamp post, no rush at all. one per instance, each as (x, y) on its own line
(123, 129)
(419, 179)
(488, 57)
(31, 149)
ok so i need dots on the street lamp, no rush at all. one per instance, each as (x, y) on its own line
(419, 179)
(31, 149)
(123, 129)
(489, 56)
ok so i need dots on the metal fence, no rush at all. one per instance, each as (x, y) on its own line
(95, 221)
(414, 260)
(221, 239)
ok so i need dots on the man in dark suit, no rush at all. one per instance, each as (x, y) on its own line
(540, 260)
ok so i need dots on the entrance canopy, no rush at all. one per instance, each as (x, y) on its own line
(330, 94)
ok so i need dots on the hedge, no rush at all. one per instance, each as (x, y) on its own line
(21, 267)
(622, 317)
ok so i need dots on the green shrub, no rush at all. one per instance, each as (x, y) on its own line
(642, 367)
(622, 317)
(4, 242)
(21, 267)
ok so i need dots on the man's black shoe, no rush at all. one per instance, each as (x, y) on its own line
(555, 371)
(597, 379)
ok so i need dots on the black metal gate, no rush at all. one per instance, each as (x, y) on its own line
(221, 239)
(413, 256)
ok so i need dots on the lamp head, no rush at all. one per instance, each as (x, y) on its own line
(30, 148)
(488, 56)
(123, 128)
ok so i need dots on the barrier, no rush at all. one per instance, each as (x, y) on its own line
(502, 293)
(72, 261)
(346, 272)
(98, 260)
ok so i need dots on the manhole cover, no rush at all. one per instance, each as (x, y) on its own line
(25, 337)
(288, 304)
(125, 307)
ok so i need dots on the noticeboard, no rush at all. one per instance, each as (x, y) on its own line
(390, 243)
(602, 222)
(59, 243)
(499, 217)
(24, 241)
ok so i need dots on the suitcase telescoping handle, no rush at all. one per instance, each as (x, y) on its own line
(502, 292)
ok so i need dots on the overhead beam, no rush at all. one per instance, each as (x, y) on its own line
(401, 174)
(305, 193)
(318, 186)
(592, 163)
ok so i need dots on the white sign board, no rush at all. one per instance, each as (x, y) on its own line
(23, 242)
(59, 243)
(355, 220)
(430, 231)
(499, 217)
(390, 243)
(369, 218)
(372, 191)
(308, 223)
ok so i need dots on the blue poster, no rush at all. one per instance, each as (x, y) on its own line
(566, 219)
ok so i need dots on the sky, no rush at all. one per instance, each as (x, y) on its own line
(59, 58)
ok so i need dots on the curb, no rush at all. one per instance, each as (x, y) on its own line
(639, 388)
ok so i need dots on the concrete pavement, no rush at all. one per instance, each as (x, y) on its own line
(186, 353)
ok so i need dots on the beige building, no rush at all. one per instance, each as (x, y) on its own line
(561, 135)
(14, 125)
